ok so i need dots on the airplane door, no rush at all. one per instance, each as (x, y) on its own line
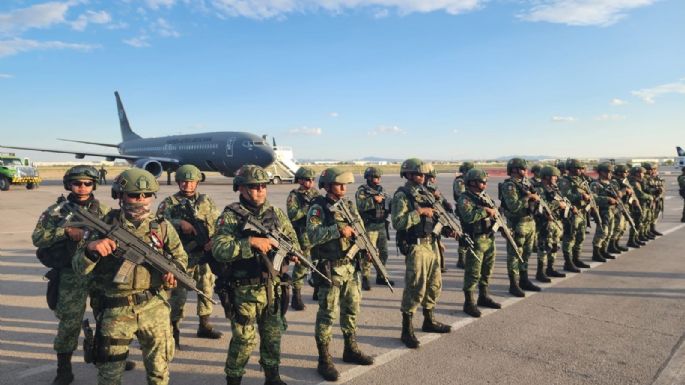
(229, 147)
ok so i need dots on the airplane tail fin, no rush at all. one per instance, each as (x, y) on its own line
(126, 132)
(681, 152)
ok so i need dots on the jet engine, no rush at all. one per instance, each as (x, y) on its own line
(150, 165)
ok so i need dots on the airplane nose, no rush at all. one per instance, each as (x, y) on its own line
(266, 156)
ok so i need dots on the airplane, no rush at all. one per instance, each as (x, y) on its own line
(224, 151)
(679, 161)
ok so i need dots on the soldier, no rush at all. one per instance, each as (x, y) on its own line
(519, 202)
(603, 190)
(103, 175)
(561, 165)
(551, 227)
(536, 180)
(332, 237)
(432, 186)
(139, 306)
(458, 188)
(412, 217)
(654, 185)
(56, 247)
(574, 188)
(681, 185)
(187, 209)
(298, 203)
(373, 205)
(620, 183)
(640, 208)
(478, 220)
(256, 295)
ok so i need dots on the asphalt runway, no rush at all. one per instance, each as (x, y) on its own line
(622, 322)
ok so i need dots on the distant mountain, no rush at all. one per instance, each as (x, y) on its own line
(526, 157)
(379, 159)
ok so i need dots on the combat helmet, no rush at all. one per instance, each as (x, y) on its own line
(620, 169)
(80, 172)
(519, 163)
(134, 180)
(572, 163)
(476, 174)
(465, 167)
(605, 167)
(372, 172)
(649, 166)
(249, 174)
(561, 165)
(335, 175)
(549, 171)
(637, 170)
(413, 165)
(431, 170)
(305, 173)
(535, 169)
(188, 172)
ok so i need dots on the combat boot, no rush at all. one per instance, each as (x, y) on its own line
(641, 240)
(325, 367)
(553, 273)
(408, 338)
(352, 354)
(206, 330)
(129, 365)
(619, 247)
(296, 302)
(649, 236)
(605, 253)
(315, 294)
(612, 247)
(514, 288)
(652, 229)
(430, 325)
(632, 240)
(233, 380)
(380, 281)
(64, 373)
(470, 307)
(460, 261)
(485, 300)
(365, 284)
(597, 254)
(578, 262)
(540, 274)
(569, 265)
(524, 282)
(177, 334)
(271, 376)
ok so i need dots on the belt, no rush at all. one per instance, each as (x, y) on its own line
(427, 240)
(247, 281)
(130, 300)
(340, 262)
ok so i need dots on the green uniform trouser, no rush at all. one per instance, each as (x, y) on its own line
(478, 268)
(252, 315)
(620, 224)
(147, 322)
(603, 233)
(204, 279)
(549, 241)
(380, 240)
(683, 217)
(574, 234)
(524, 233)
(422, 277)
(71, 305)
(345, 297)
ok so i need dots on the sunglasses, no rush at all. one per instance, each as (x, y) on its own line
(139, 195)
(258, 186)
(78, 183)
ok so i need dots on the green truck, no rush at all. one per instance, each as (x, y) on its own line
(14, 170)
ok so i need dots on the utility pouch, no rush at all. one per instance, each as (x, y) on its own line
(52, 293)
(88, 342)
(285, 293)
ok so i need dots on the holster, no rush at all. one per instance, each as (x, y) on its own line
(285, 285)
(89, 347)
(52, 293)
(225, 294)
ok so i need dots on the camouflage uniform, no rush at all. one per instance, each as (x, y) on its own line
(297, 204)
(620, 184)
(602, 189)
(640, 213)
(653, 185)
(571, 187)
(458, 188)
(551, 229)
(681, 185)
(375, 220)
(478, 225)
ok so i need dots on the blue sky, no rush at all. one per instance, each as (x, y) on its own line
(438, 79)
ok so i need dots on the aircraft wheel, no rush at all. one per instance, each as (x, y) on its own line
(276, 180)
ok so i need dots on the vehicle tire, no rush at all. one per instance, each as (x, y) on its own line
(276, 180)
(4, 183)
(31, 185)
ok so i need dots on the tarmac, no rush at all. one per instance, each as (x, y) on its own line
(621, 322)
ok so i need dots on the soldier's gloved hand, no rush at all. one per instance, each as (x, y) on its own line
(492, 212)
(169, 280)
(425, 211)
(74, 233)
(103, 247)
(187, 228)
(347, 232)
(378, 198)
(263, 245)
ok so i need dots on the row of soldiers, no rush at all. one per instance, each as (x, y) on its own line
(255, 298)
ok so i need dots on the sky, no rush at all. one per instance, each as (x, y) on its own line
(346, 79)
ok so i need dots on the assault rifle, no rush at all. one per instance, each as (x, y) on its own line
(446, 219)
(592, 206)
(621, 207)
(362, 240)
(131, 249)
(201, 237)
(542, 206)
(285, 247)
(501, 225)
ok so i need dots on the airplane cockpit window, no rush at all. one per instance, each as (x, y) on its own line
(252, 143)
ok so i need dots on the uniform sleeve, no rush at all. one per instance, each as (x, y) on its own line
(287, 227)
(228, 243)
(82, 264)
(364, 200)
(470, 213)
(211, 216)
(295, 211)
(513, 201)
(165, 209)
(402, 216)
(598, 191)
(569, 192)
(317, 232)
(173, 246)
(47, 231)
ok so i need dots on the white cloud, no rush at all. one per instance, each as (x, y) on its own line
(381, 14)
(138, 42)
(16, 45)
(610, 117)
(90, 17)
(649, 94)
(563, 119)
(333, 114)
(164, 29)
(6, 76)
(618, 102)
(157, 4)
(36, 16)
(393, 130)
(582, 12)
(307, 131)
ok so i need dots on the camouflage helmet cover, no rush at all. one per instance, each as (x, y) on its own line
(305, 173)
(372, 172)
(431, 170)
(476, 174)
(134, 180)
(335, 175)
(249, 174)
(413, 165)
(648, 166)
(605, 167)
(465, 167)
(561, 165)
(549, 171)
(637, 170)
(519, 163)
(188, 172)
(535, 169)
(80, 172)
(572, 163)
(620, 168)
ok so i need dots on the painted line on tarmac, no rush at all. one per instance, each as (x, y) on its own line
(36, 370)
(674, 371)
(428, 338)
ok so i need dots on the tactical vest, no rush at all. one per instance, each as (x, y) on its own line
(300, 225)
(178, 212)
(521, 187)
(332, 249)
(421, 230)
(378, 213)
(483, 226)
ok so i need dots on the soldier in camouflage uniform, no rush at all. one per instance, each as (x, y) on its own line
(432, 186)
(681, 186)
(183, 209)
(297, 205)
(620, 183)
(59, 244)
(478, 215)
(412, 217)
(458, 188)
(574, 188)
(257, 297)
(561, 165)
(640, 208)
(536, 179)
(373, 206)
(331, 237)
(606, 199)
(551, 227)
(654, 185)
(519, 202)
(138, 307)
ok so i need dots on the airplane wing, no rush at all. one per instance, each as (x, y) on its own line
(109, 157)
